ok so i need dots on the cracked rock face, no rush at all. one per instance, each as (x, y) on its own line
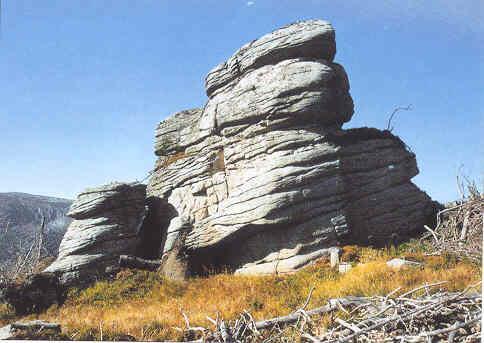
(263, 179)
(106, 224)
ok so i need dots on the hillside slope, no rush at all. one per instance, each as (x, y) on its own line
(20, 220)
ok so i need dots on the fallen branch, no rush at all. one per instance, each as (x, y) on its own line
(404, 319)
(334, 304)
(458, 231)
(433, 233)
(128, 261)
(36, 325)
(422, 287)
(390, 319)
(455, 327)
(439, 316)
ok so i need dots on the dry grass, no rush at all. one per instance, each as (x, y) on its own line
(6, 315)
(143, 305)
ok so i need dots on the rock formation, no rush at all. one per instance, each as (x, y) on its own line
(264, 179)
(106, 224)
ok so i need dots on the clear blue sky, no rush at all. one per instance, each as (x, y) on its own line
(84, 83)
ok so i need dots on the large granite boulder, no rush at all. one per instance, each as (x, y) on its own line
(307, 39)
(264, 179)
(107, 222)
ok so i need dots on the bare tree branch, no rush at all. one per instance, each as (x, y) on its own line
(41, 241)
(407, 108)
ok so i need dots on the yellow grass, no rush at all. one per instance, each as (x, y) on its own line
(147, 307)
(6, 315)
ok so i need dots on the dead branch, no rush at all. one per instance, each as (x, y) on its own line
(293, 317)
(128, 261)
(405, 318)
(433, 233)
(407, 108)
(455, 327)
(41, 240)
(36, 325)
(458, 231)
(23, 262)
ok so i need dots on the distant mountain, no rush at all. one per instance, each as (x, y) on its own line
(21, 218)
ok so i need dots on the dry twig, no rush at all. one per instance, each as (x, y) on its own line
(401, 318)
(407, 108)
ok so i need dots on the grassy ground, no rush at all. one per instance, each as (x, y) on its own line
(147, 307)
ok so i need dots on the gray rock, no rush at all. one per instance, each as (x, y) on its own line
(398, 263)
(310, 39)
(281, 95)
(177, 132)
(106, 224)
(263, 179)
(344, 267)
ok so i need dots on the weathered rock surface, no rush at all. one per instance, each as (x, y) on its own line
(106, 224)
(312, 38)
(398, 263)
(263, 179)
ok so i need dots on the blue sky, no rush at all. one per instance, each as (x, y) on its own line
(84, 83)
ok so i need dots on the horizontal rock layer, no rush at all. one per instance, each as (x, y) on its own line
(106, 224)
(288, 94)
(312, 38)
(291, 193)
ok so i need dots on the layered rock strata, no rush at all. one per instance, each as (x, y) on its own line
(107, 222)
(264, 179)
